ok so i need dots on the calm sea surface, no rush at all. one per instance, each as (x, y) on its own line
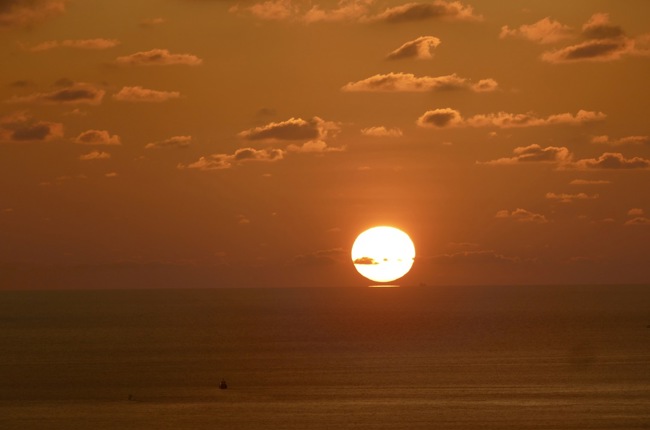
(338, 358)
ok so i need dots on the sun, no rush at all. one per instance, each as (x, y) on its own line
(383, 254)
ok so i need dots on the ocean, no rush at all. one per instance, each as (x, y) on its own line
(489, 357)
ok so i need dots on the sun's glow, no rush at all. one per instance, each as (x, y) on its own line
(383, 254)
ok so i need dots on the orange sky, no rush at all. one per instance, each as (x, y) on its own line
(185, 143)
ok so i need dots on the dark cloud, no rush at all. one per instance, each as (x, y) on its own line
(613, 160)
(172, 142)
(440, 118)
(598, 27)
(21, 84)
(158, 57)
(20, 127)
(320, 258)
(437, 9)
(226, 161)
(365, 261)
(419, 48)
(292, 129)
(98, 137)
(535, 154)
(25, 13)
(78, 93)
(522, 215)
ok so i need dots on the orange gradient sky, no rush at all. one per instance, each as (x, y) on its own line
(198, 143)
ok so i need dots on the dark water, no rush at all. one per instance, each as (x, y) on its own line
(402, 358)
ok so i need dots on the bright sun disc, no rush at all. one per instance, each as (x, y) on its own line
(383, 254)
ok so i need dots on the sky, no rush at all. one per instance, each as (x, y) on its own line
(237, 143)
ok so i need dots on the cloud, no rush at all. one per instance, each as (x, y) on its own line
(346, 10)
(569, 198)
(365, 261)
(77, 93)
(97, 137)
(598, 27)
(314, 146)
(445, 117)
(381, 131)
(226, 161)
(152, 22)
(407, 82)
(535, 154)
(292, 129)
(95, 155)
(138, 94)
(24, 13)
(522, 215)
(641, 220)
(636, 212)
(438, 9)
(320, 258)
(356, 11)
(543, 31)
(172, 142)
(77, 44)
(419, 48)
(158, 57)
(452, 118)
(589, 182)
(477, 257)
(604, 42)
(621, 141)
(614, 161)
(20, 127)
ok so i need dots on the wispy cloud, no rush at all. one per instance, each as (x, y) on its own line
(589, 182)
(320, 258)
(25, 13)
(97, 137)
(76, 44)
(356, 11)
(20, 127)
(613, 161)
(565, 160)
(448, 117)
(407, 82)
(152, 22)
(292, 129)
(77, 93)
(419, 48)
(143, 95)
(158, 57)
(381, 131)
(569, 198)
(535, 154)
(628, 140)
(226, 161)
(603, 42)
(522, 215)
(172, 142)
(438, 9)
(314, 146)
(543, 31)
(95, 155)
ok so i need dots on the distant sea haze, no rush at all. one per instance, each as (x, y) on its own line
(555, 357)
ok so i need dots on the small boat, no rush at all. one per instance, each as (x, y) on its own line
(223, 385)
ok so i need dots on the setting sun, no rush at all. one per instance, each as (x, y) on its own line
(383, 254)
